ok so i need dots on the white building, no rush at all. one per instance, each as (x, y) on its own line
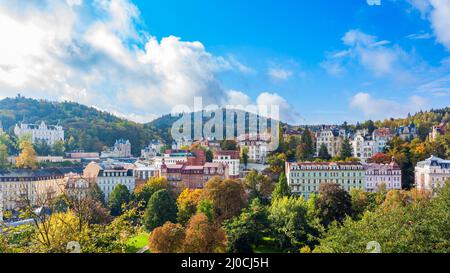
(332, 139)
(305, 178)
(49, 134)
(121, 149)
(366, 146)
(152, 150)
(109, 175)
(258, 146)
(432, 173)
(230, 158)
(388, 176)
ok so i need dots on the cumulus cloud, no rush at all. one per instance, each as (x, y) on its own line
(98, 53)
(374, 108)
(377, 56)
(438, 13)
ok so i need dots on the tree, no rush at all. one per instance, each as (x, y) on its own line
(228, 197)
(415, 225)
(58, 148)
(380, 158)
(168, 238)
(282, 188)
(202, 236)
(360, 202)
(333, 204)
(259, 186)
(244, 156)
(27, 157)
(187, 203)
(305, 151)
(228, 145)
(42, 148)
(277, 163)
(346, 149)
(247, 229)
(160, 209)
(144, 192)
(205, 206)
(119, 197)
(209, 155)
(3, 156)
(288, 218)
(95, 193)
(323, 152)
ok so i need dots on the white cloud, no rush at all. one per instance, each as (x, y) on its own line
(96, 53)
(438, 13)
(374, 108)
(279, 73)
(378, 57)
(420, 36)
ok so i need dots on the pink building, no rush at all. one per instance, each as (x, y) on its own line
(389, 175)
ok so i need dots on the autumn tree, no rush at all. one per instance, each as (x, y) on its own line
(160, 208)
(259, 185)
(168, 238)
(187, 203)
(380, 158)
(202, 236)
(305, 151)
(144, 192)
(227, 196)
(27, 157)
(118, 197)
(333, 204)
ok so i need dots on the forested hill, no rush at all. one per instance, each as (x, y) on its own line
(90, 128)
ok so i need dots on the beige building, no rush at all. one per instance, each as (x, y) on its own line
(332, 139)
(432, 173)
(32, 185)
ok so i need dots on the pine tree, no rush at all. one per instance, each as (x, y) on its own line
(346, 149)
(323, 152)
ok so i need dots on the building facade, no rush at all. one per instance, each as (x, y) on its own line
(304, 178)
(258, 146)
(121, 149)
(387, 176)
(231, 159)
(332, 139)
(40, 132)
(182, 176)
(152, 150)
(407, 132)
(34, 186)
(109, 175)
(432, 173)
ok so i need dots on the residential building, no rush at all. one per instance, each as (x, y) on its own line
(258, 146)
(182, 176)
(365, 146)
(387, 176)
(230, 158)
(108, 175)
(332, 138)
(171, 157)
(152, 150)
(304, 178)
(432, 173)
(40, 132)
(121, 149)
(32, 185)
(78, 186)
(142, 173)
(382, 136)
(407, 132)
(438, 131)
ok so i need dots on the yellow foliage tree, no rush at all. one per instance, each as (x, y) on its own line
(27, 157)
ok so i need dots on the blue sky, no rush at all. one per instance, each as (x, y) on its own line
(321, 61)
